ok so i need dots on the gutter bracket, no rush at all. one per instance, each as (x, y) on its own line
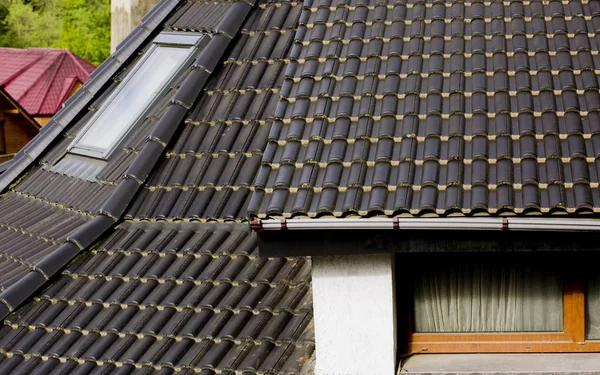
(256, 225)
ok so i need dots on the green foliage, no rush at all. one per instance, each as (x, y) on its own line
(27, 28)
(83, 26)
(86, 28)
(3, 15)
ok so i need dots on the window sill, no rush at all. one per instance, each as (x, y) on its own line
(462, 364)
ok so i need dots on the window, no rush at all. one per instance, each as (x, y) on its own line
(527, 302)
(149, 79)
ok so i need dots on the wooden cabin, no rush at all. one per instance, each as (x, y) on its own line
(34, 83)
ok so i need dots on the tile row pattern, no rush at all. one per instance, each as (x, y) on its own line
(210, 168)
(30, 229)
(156, 297)
(198, 15)
(136, 174)
(75, 188)
(412, 107)
(166, 298)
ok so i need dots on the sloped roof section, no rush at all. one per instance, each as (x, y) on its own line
(210, 169)
(30, 229)
(109, 211)
(198, 16)
(186, 293)
(167, 298)
(412, 108)
(40, 79)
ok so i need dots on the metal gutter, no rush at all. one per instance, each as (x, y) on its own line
(532, 224)
(134, 178)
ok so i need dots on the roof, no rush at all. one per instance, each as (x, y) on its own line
(40, 79)
(174, 282)
(437, 108)
(313, 108)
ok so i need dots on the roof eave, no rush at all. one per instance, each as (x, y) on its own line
(21, 110)
(528, 224)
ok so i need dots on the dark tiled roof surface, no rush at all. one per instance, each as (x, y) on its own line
(29, 230)
(365, 108)
(105, 202)
(66, 122)
(209, 171)
(198, 15)
(42, 209)
(177, 295)
(167, 298)
(412, 107)
(49, 180)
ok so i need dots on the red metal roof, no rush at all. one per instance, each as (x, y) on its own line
(40, 79)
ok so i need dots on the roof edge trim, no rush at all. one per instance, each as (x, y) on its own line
(22, 110)
(134, 177)
(541, 224)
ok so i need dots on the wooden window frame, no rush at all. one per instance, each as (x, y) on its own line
(572, 339)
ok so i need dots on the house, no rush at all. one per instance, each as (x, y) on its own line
(17, 127)
(34, 83)
(41, 79)
(326, 186)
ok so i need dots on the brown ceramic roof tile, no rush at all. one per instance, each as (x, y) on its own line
(446, 107)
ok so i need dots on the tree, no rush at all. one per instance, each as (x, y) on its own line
(86, 28)
(3, 28)
(27, 28)
(83, 26)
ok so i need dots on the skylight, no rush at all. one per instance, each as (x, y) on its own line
(145, 83)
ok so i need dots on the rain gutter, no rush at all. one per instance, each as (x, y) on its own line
(529, 224)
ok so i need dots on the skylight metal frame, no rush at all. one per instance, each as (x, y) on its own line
(193, 40)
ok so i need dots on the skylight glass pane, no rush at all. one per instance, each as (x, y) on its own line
(146, 82)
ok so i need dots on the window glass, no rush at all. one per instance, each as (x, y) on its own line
(488, 298)
(592, 309)
(140, 88)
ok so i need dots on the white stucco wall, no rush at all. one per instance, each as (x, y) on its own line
(354, 312)
(125, 16)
